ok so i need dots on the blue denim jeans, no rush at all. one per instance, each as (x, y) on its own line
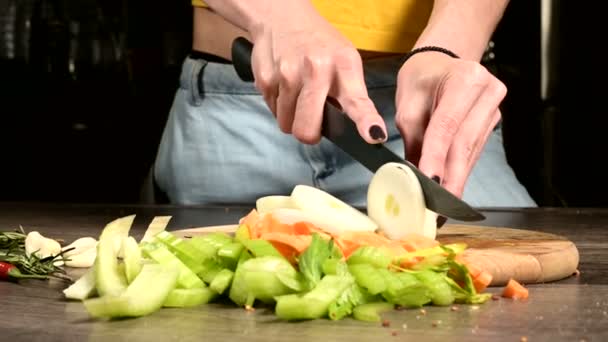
(221, 145)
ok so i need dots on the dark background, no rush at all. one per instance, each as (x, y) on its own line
(86, 86)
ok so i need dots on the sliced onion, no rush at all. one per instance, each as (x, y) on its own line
(267, 204)
(328, 212)
(396, 202)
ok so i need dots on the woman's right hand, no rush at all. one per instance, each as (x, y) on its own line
(299, 60)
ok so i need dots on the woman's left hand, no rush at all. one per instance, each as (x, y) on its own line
(446, 109)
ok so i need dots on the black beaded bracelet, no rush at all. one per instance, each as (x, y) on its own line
(429, 48)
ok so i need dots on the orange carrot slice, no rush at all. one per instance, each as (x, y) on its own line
(515, 290)
(482, 281)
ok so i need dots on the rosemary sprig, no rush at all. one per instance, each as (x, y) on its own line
(12, 250)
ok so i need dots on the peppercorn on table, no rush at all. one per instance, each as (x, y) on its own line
(572, 309)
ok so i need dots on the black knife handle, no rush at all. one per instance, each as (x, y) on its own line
(241, 58)
(335, 122)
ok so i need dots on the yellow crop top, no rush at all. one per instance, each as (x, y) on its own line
(385, 26)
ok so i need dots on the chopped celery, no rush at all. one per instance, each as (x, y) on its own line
(335, 267)
(376, 256)
(158, 224)
(181, 298)
(354, 296)
(216, 239)
(139, 298)
(368, 277)
(82, 288)
(118, 228)
(231, 251)
(405, 289)
(204, 246)
(315, 303)
(132, 258)
(262, 248)
(159, 253)
(191, 256)
(312, 259)
(210, 269)
(371, 311)
(440, 291)
(222, 281)
(109, 280)
(242, 233)
(256, 278)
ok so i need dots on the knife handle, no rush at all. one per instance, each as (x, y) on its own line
(241, 58)
(334, 120)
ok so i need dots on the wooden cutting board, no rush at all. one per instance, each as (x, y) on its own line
(527, 256)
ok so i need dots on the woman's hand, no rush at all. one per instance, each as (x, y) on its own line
(298, 61)
(446, 109)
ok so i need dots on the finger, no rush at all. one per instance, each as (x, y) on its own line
(311, 100)
(351, 92)
(471, 138)
(263, 66)
(412, 116)
(289, 87)
(455, 98)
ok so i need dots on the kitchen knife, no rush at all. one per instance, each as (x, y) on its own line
(342, 131)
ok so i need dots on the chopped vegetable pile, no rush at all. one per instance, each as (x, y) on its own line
(296, 268)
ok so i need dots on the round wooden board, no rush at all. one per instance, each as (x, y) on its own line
(527, 256)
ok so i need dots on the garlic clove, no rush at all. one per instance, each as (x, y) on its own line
(80, 246)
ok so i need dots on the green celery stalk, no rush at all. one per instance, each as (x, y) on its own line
(371, 311)
(368, 277)
(191, 256)
(376, 256)
(231, 250)
(132, 258)
(242, 233)
(140, 298)
(405, 289)
(159, 253)
(82, 288)
(181, 298)
(354, 296)
(257, 278)
(222, 281)
(109, 280)
(315, 303)
(261, 248)
(439, 289)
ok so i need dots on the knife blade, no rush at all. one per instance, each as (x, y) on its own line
(338, 128)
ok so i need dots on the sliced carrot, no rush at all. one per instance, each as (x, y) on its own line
(514, 290)
(297, 242)
(482, 281)
(250, 220)
(350, 241)
(413, 242)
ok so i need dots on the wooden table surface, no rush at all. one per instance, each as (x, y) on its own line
(574, 309)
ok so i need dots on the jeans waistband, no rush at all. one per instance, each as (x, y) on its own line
(212, 75)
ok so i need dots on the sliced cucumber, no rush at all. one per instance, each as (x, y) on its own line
(328, 212)
(269, 203)
(395, 201)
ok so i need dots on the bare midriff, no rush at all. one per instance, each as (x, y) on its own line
(214, 35)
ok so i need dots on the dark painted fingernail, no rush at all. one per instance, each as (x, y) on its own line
(437, 179)
(441, 221)
(377, 133)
